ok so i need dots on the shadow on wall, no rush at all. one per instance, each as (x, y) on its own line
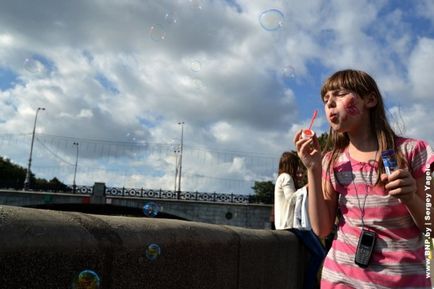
(104, 209)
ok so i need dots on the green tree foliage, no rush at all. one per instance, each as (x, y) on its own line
(264, 192)
(13, 176)
(323, 139)
(51, 185)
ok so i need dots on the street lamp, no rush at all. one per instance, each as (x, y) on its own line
(27, 180)
(176, 151)
(75, 169)
(180, 158)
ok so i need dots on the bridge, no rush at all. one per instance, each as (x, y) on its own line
(211, 208)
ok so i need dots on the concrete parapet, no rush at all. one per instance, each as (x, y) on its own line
(48, 249)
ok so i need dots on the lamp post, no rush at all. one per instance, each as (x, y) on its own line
(176, 168)
(75, 169)
(27, 180)
(180, 158)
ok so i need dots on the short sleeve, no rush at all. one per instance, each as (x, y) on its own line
(419, 156)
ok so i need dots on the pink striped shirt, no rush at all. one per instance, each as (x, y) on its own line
(398, 260)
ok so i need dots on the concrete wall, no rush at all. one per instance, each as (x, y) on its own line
(255, 216)
(48, 249)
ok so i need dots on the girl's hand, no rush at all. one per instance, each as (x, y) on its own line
(400, 184)
(308, 150)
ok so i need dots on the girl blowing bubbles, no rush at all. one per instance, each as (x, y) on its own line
(379, 211)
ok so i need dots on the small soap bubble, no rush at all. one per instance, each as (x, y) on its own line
(152, 252)
(196, 4)
(170, 18)
(151, 209)
(33, 65)
(195, 65)
(271, 19)
(87, 279)
(131, 137)
(197, 83)
(157, 32)
(288, 71)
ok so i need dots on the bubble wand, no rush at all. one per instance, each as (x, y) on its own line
(315, 113)
(307, 133)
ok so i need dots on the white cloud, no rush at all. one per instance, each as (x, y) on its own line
(6, 39)
(413, 120)
(85, 113)
(420, 69)
(105, 77)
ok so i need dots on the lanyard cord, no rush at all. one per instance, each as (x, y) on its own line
(362, 209)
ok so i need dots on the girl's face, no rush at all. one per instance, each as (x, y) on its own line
(344, 109)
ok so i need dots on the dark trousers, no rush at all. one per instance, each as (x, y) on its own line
(317, 255)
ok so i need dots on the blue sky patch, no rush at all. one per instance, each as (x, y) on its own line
(106, 83)
(8, 79)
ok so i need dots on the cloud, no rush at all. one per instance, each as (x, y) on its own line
(420, 69)
(118, 77)
(413, 120)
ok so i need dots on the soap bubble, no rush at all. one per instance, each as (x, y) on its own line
(196, 4)
(157, 32)
(288, 71)
(87, 279)
(170, 17)
(33, 65)
(271, 19)
(197, 83)
(195, 65)
(131, 137)
(151, 209)
(152, 252)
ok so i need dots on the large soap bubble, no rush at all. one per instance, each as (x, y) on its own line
(271, 19)
(86, 279)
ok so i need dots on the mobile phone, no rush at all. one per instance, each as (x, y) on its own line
(365, 247)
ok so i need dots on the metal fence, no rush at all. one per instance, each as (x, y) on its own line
(168, 195)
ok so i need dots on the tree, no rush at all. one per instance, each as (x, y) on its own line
(323, 139)
(12, 176)
(264, 192)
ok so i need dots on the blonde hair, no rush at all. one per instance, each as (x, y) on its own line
(364, 85)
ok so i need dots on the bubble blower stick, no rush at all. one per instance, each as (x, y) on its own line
(307, 133)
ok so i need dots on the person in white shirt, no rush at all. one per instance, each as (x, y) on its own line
(290, 179)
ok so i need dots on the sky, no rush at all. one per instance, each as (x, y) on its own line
(118, 78)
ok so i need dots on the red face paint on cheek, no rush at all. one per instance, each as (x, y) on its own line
(350, 107)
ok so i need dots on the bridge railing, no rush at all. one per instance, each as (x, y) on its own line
(168, 195)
